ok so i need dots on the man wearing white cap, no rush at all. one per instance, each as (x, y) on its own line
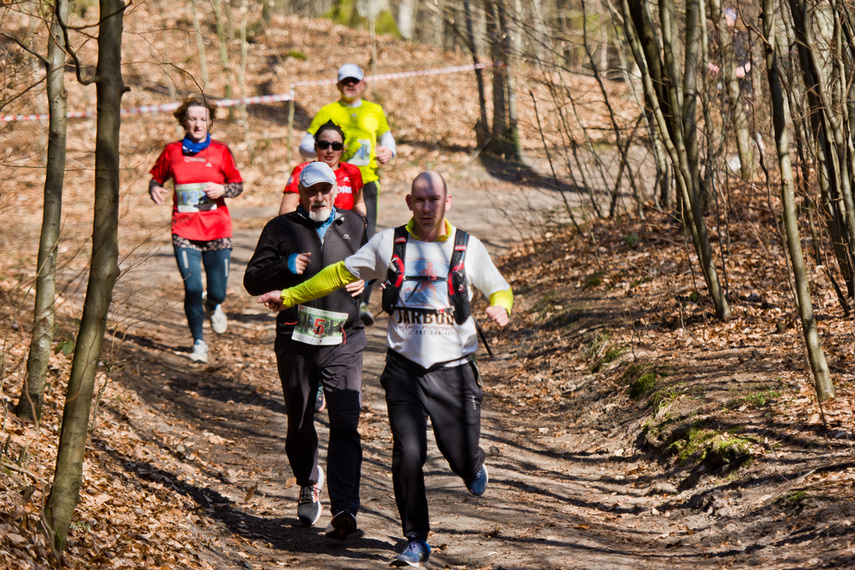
(318, 343)
(368, 142)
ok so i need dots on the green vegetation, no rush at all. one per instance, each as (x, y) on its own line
(760, 399)
(642, 385)
(81, 526)
(664, 398)
(611, 354)
(631, 371)
(794, 498)
(758, 396)
(66, 347)
(701, 443)
(296, 55)
(642, 379)
(594, 280)
(631, 239)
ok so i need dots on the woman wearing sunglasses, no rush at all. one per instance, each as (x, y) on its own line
(329, 146)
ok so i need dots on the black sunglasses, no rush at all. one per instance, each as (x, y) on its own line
(324, 145)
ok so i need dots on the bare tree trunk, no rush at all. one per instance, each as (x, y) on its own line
(482, 128)
(821, 375)
(104, 270)
(690, 92)
(244, 114)
(512, 48)
(505, 137)
(831, 146)
(32, 394)
(406, 18)
(200, 44)
(744, 144)
(223, 18)
(621, 148)
(667, 103)
(500, 119)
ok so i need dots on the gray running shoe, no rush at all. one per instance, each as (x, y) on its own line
(309, 505)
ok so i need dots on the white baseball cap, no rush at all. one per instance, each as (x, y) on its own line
(350, 70)
(316, 173)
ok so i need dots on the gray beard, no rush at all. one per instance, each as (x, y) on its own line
(320, 215)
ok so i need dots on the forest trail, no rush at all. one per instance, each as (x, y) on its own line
(550, 503)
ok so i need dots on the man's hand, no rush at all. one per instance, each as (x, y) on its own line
(498, 314)
(272, 300)
(302, 262)
(384, 155)
(158, 195)
(356, 288)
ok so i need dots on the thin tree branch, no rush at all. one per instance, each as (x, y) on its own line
(24, 47)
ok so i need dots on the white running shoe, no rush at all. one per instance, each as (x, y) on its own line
(309, 504)
(200, 352)
(219, 322)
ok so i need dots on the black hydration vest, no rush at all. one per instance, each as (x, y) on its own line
(458, 296)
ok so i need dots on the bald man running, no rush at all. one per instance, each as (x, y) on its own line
(431, 337)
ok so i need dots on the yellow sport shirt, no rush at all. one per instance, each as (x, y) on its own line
(362, 126)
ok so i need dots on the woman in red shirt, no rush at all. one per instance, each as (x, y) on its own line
(204, 174)
(329, 145)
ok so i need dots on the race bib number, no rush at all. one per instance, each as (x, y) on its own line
(362, 156)
(318, 327)
(192, 198)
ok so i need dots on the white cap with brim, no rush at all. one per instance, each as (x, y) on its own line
(350, 70)
(317, 173)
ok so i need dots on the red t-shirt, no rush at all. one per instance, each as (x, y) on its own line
(194, 216)
(347, 177)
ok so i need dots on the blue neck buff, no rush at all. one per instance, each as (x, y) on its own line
(189, 146)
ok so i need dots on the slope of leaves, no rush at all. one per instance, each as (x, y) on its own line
(614, 340)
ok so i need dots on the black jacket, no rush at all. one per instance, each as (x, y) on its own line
(295, 233)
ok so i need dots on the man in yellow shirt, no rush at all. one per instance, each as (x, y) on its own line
(368, 143)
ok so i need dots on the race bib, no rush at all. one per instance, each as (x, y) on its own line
(192, 198)
(318, 327)
(362, 156)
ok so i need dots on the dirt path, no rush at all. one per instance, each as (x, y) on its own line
(559, 497)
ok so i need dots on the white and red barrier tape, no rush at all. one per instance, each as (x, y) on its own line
(261, 99)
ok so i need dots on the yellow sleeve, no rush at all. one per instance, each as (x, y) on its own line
(503, 299)
(329, 279)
